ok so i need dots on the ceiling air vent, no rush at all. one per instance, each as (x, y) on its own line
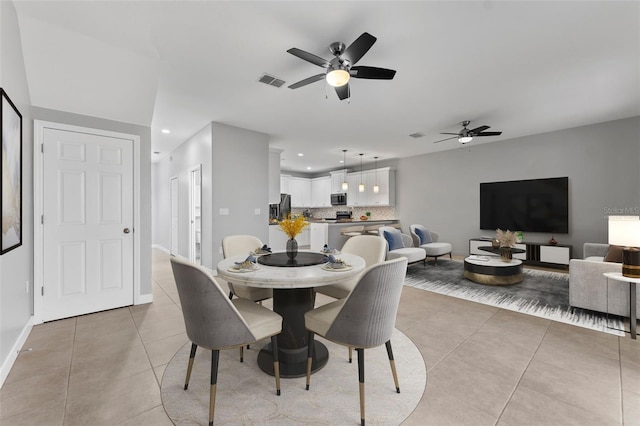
(416, 135)
(271, 81)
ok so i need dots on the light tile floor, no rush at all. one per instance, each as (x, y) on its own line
(486, 366)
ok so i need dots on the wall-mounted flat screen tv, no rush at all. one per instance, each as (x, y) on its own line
(534, 205)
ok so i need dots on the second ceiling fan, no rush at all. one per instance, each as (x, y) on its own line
(466, 135)
(340, 69)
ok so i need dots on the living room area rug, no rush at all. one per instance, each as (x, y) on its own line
(246, 395)
(541, 293)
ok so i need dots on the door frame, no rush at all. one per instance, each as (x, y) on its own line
(38, 204)
(192, 232)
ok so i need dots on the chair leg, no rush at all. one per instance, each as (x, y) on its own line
(350, 354)
(393, 365)
(309, 358)
(360, 352)
(215, 356)
(230, 295)
(276, 362)
(241, 353)
(192, 355)
(450, 258)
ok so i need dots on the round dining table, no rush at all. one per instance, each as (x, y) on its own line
(293, 285)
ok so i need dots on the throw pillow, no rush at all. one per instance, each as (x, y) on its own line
(394, 239)
(614, 254)
(423, 235)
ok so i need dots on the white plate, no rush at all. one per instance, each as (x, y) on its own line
(259, 253)
(326, 267)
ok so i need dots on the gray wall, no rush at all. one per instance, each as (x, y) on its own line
(16, 266)
(441, 190)
(195, 151)
(235, 165)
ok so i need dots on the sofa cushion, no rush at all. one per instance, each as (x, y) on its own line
(423, 235)
(614, 254)
(394, 239)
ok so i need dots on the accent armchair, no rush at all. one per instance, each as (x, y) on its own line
(428, 241)
(400, 245)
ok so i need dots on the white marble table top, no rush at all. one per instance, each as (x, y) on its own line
(290, 277)
(493, 261)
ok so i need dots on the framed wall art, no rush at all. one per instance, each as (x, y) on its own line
(11, 170)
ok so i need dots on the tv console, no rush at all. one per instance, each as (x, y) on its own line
(537, 254)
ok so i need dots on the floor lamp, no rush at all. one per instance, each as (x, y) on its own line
(625, 231)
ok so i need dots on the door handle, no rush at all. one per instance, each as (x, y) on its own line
(126, 230)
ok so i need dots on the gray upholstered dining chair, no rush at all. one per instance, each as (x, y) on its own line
(236, 245)
(215, 322)
(428, 241)
(365, 319)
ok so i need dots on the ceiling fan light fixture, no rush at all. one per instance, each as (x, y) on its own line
(465, 139)
(338, 77)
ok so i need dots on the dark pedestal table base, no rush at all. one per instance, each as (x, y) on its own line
(292, 304)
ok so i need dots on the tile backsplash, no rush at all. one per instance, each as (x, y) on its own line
(377, 213)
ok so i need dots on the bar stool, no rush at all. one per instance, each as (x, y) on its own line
(372, 229)
(352, 231)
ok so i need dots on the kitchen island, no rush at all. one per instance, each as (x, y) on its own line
(325, 231)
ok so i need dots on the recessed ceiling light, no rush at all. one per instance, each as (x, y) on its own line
(308, 168)
(300, 154)
(166, 131)
(341, 161)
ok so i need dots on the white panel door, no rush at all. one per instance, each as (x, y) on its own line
(88, 219)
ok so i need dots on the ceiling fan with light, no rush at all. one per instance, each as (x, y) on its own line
(466, 135)
(342, 68)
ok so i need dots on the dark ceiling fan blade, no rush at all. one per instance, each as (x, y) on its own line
(307, 80)
(372, 73)
(457, 134)
(446, 139)
(479, 129)
(309, 57)
(343, 91)
(487, 134)
(358, 48)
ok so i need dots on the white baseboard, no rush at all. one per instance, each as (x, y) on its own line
(161, 248)
(13, 354)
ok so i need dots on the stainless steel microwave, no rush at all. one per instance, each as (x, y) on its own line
(339, 199)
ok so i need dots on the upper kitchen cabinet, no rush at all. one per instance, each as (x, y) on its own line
(337, 178)
(300, 190)
(321, 192)
(385, 178)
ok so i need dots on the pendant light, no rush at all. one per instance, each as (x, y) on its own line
(361, 186)
(345, 184)
(376, 188)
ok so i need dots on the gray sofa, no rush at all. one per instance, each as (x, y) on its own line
(588, 287)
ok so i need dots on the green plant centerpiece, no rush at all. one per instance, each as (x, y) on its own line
(292, 226)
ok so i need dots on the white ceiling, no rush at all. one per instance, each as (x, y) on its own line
(520, 67)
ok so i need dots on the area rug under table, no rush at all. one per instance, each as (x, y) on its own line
(542, 293)
(246, 395)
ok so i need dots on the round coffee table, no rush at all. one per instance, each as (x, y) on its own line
(491, 270)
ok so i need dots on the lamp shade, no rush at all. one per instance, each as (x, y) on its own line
(338, 77)
(624, 231)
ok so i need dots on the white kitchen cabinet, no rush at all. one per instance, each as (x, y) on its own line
(321, 192)
(354, 198)
(300, 190)
(337, 177)
(386, 179)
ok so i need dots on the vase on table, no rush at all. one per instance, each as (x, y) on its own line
(292, 248)
(505, 254)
